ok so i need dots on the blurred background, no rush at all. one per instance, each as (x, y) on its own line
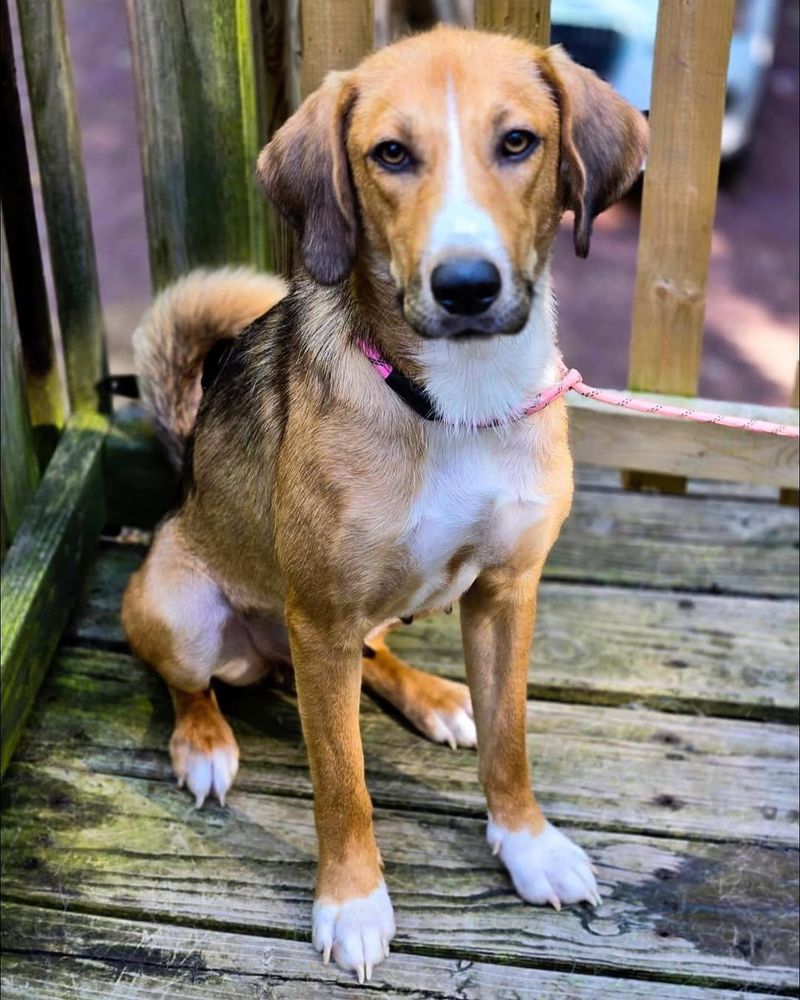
(751, 342)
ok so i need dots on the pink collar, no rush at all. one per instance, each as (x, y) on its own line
(418, 399)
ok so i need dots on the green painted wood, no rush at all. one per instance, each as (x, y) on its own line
(198, 130)
(66, 202)
(63, 955)
(43, 383)
(729, 656)
(19, 466)
(692, 912)
(614, 768)
(43, 569)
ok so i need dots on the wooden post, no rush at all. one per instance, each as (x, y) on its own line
(335, 34)
(525, 18)
(72, 258)
(19, 467)
(27, 274)
(198, 129)
(789, 497)
(680, 189)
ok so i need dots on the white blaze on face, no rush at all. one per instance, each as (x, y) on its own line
(461, 227)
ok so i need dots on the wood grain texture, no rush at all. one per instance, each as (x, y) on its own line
(66, 202)
(63, 955)
(605, 435)
(335, 35)
(198, 133)
(529, 19)
(615, 768)
(19, 466)
(43, 569)
(43, 385)
(680, 187)
(594, 644)
(672, 909)
(680, 192)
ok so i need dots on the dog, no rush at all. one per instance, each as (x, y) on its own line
(363, 453)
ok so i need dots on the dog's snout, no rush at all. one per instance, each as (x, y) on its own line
(465, 287)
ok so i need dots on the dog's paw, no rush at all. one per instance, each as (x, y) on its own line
(547, 868)
(443, 712)
(357, 933)
(205, 756)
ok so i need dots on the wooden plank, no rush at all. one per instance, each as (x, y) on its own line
(605, 435)
(594, 645)
(335, 35)
(615, 768)
(63, 955)
(674, 910)
(19, 466)
(198, 134)
(27, 272)
(66, 202)
(680, 192)
(791, 497)
(529, 20)
(44, 567)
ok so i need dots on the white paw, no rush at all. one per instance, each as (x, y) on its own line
(545, 869)
(357, 933)
(206, 772)
(453, 727)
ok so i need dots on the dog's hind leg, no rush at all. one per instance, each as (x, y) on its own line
(177, 619)
(438, 708)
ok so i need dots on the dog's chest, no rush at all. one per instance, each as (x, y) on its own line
(479, 494)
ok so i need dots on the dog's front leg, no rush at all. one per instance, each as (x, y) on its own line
(352, 917)
(497, 620)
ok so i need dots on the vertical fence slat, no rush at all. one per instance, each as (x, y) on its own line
(791, 498)
(19, 467)
(198, 131)
(679, 199)
(335, 34)
(529, 19)
(27, 274)
(276, 48)
(66, 202)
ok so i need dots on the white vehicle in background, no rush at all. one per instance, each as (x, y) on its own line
(616, 38)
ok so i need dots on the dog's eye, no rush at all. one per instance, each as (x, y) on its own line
(392, 155)
(517, 144)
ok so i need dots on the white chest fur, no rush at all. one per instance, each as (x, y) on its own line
(480, 492)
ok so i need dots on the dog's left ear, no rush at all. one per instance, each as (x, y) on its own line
(305, 173)
(603, 141)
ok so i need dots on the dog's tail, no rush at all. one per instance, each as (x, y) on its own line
(177, 332)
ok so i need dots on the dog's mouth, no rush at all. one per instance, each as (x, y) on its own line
(506, 318)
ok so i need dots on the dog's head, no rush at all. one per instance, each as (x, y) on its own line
(443, 163)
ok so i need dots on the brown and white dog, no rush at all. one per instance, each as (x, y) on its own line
(319, 507)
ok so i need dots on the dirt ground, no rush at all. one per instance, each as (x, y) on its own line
(751, 340)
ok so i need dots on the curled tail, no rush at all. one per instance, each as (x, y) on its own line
(176, 333)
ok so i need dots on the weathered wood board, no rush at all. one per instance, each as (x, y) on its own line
(613, 768)
(121, 846)
(604, 645)
(63, 955)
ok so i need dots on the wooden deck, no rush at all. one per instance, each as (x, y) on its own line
(663, 710)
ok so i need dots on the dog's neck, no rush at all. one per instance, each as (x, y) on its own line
(470, 382)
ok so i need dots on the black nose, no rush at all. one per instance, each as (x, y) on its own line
(465, 287)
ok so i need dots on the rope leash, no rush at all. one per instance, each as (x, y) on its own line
(573, 380)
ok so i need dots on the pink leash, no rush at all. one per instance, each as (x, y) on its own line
(572, 379)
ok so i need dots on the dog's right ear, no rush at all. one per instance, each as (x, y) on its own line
(305, 173)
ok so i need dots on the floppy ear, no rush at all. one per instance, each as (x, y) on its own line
(603, 141)
(305, 174)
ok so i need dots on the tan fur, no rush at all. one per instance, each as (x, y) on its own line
(306, 470)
